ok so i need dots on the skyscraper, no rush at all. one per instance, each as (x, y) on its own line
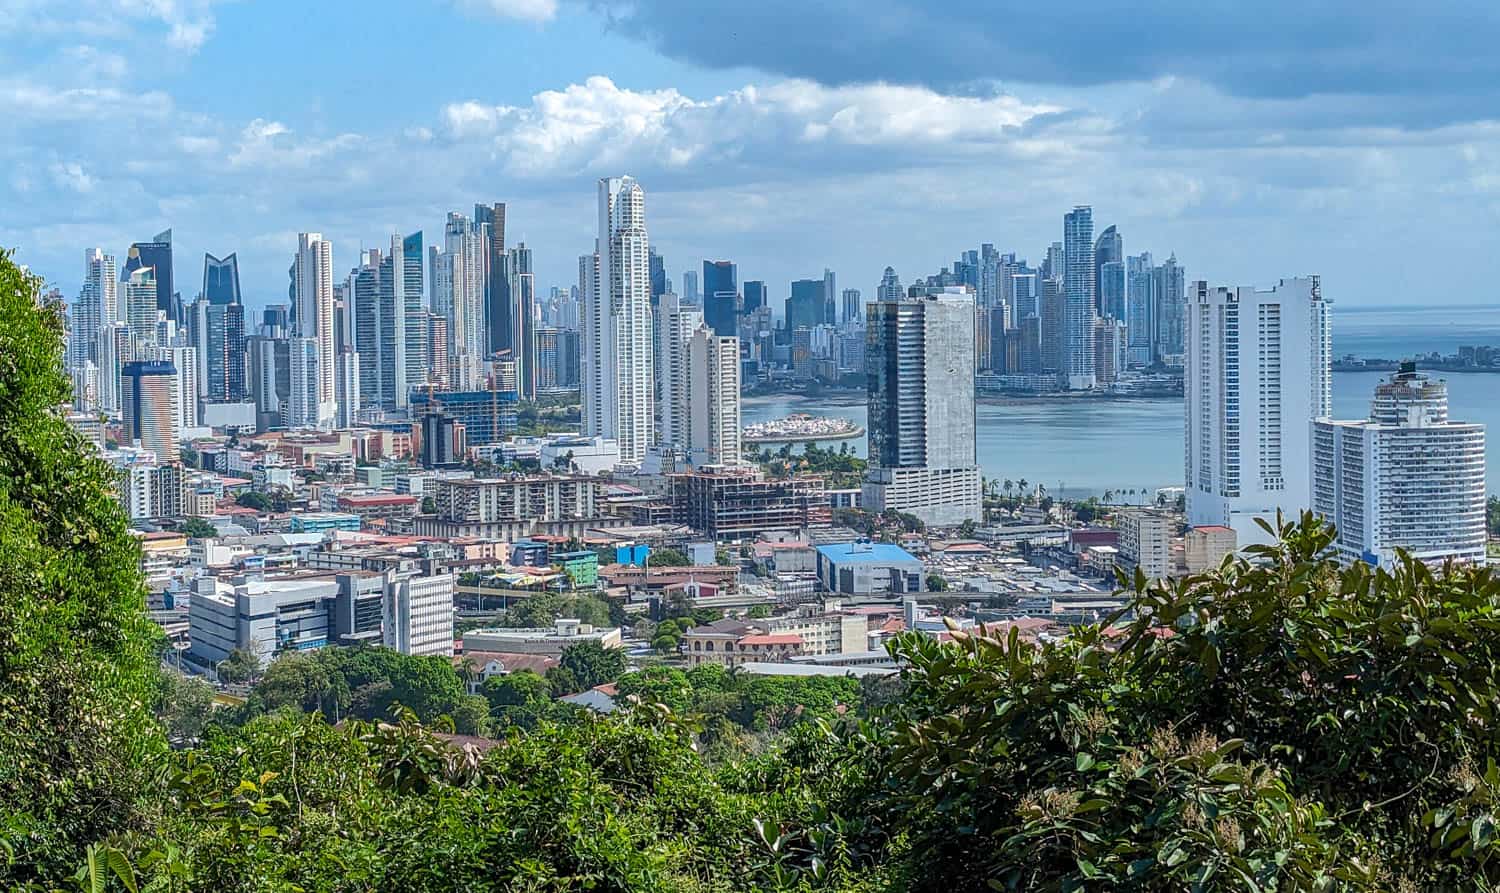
(98, 306)
(497, 277)
(805, 307)
(407, 257)
(1079, 289)
(369, 325)
(1407, 478)
(525, 313)
(1171, 311)
(890, 287)
(216, 324)
(660, 284)
(1109, 248)
(690, 287)
(676, 321)
(140, 306)
(755, 296)
(713, 398)
(919, 362)
(721, 296)
(156, 255)
(304, 402)
(830, 297)
(617, 374)
(149, 407)
(1140, 303)
(463, 260)
(312, 305)
(853, 310)
(1259, 370)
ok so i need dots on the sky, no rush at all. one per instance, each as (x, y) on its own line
(1256, 141)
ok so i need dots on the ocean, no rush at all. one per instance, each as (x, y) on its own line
(1080, 447)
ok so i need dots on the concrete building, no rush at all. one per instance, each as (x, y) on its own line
(1405, 478)
(1204, 548)
(738, 503)
(863, 568)
(511, 508)
(920, 366)
(616, 346)
(264, 615)
(1146, 542)
(713, 399)
(676, 321)
(1080, 292)
(149, 407)
(550, 640)
(419, 614)
(1259, 370)
(312, 303)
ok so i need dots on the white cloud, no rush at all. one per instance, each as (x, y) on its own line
(71, 176)
(525, 10)
(598, 124)
(185, 24)
(271, 144)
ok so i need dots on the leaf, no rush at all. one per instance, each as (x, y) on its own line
(121, 867)
(1083, 762)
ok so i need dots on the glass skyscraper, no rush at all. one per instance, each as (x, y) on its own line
(721, 296)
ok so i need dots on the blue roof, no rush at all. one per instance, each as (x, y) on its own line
(857, 553)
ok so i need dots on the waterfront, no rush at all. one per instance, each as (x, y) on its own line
(1078, 447)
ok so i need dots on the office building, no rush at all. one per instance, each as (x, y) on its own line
(1109, 248)
(1259, 370)
(676, 321)
(374, 331)
(865, 568)
(97, 306)
(140, 308)
(156, 256)
(487, 417)
(807, 305)
(919, 362)
(1170, 312)
(721, 295)
(618, 381)
(755, 296)
(419, 614)
(713, 399)
(1140, 310)
(346, 389)
(1080, 295)
(1051, 323)
(830, 297)
(1406, 478)
(312, 319)
(690, 287)
(890, 287)
(216, 327)
(440, 375)
(491, 218)
(407, 292)
(660, 282)
(266, 616)
(149, 407)
(303, 406)
(853, 310)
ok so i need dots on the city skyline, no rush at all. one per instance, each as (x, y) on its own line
(1184, 150)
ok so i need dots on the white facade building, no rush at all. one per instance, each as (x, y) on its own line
(1406, 478)
(419, 615)
(676, 321)
(463, 261)
(1258, 371)
(616, 344)
(1146, 541)
(313, 305)
(713, 392)
(303, 404)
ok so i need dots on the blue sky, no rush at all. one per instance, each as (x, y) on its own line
(1359, 141)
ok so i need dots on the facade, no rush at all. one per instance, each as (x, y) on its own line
(156, 257)
(713, 399)
(721, 296)
(1259, 370)
(216, 324)
(149, 407)
(1405, 478)
(1080, 292)
(919, 361)
(676, 321)
(617, 376)
(491, 220)
(304, 365)
(487, 416)
(312, 304)
(524, 318)
(552, 640)
(1146, 541)
(864, 568)
(419, 614)
(1140, 310)
(463, 263)
(265, 616)
(807, 305)
(1203, 548)
(503, 508)
(1109, 283)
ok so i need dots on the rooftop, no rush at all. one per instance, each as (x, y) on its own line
(883, 553)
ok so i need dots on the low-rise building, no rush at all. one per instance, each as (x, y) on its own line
(379, 506)
(1146, 541)
(514, 507)
(741, 503)
(544, 640)
(1204, 547)
(863, 568)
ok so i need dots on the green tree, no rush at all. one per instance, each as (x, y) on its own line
(183, 705)
(77, 652)
(592, 664)
(198, 528)
(301, 681)
(252, 499)
(429, 505)
(242, 665)
(523, 688)
(936, 583)
(667, 558)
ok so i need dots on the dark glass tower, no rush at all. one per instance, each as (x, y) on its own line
(156, 254)
(721, 297)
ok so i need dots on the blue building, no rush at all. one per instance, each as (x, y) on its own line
(721, 297)
(322, 522)
(529, 553)
(487, 416)
(864, 568)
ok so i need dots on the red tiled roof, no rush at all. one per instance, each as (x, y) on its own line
(379, 499)
(772, 639)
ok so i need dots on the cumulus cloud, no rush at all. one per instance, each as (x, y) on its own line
(525, 10)
(185, 25)
(597, 124)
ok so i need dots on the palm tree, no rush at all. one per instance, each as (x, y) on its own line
(1009, 485)
(1025, 493)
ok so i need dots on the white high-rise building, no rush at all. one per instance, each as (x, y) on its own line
(98, 306)
(1406, 478)
(186, 384)
(1079, 307)
(713, 398)
(346, 372)
(617, 367)
(1258, 371)
(919, 361)
(140, 307)
(304, 403)
(114, 353)
(676, 321)
(313, 305)
(463, 259)
(419, 614)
